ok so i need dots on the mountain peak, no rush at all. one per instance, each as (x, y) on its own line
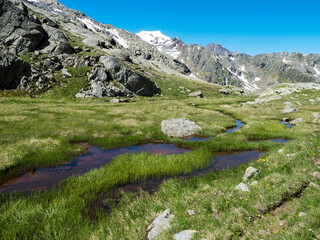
(218, 49)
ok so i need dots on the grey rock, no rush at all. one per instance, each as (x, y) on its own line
(196, 94)
(80, 95)
(254, 183)
(77, 49)
(311, 184)
(191, 212)
(242, 187)
(160, 224)
(250, 173)
(185, 235)
(19, 30)
(289, 110)
(296, 121)
(115, 100)
(65, 72)
(12, 69)
(179, 127)
(316, 175)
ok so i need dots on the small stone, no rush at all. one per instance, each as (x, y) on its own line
(80, 95)
(296, 121)
(242, 187)
(115, 100)
(301, 214)
(289, 110)
(196, 94)
(185, 235)
(65, 72)
(280, 151)
(316, 175)
(311, 184)
(190, 212)
(250, 173)
(254, 183)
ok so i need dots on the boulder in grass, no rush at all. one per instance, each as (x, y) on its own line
(180, 127)
(197, 94)
(160, 224)
(185, 235)
(242, 187)
(250, 173)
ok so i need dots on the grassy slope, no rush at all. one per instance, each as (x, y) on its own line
(37, 132)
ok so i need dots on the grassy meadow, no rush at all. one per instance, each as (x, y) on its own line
(37, 132)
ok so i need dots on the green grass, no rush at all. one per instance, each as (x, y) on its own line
(38, 132)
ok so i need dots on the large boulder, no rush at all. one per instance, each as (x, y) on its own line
(132, 81)
(19, 30)
(55, 40)
(179, 127)
(12, 69)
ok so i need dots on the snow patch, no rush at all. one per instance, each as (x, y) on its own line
(119, 39)
(317, 71)
(162, 42)
(257, 79)
(193, 76)
(232, 58)
(243, 69)
(90, 24)
(285, 61)
(246, 85)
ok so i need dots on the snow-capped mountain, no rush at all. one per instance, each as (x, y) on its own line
(217, 64)
(165, 44)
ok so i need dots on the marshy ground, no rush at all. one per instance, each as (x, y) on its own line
(41, 132)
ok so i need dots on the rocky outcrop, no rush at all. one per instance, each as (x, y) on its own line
(283, 90)
(19, 30)
(12, 69)
(179, 127)
(116, 80)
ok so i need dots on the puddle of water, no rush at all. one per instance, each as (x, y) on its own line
(239, 125)
(276, 140)
(44, 178)
(286, 123)
(195, 138)
(229, 160)
(198, 139)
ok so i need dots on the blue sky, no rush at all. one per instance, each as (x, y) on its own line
(240, 25)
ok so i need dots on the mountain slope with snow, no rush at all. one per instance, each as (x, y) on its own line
(217, 64)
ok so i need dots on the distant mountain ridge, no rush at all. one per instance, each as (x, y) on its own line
(217, 64)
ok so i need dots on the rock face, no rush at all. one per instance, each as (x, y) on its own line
(185, 235)
(179, 127)
(117, 80)
(12, 69)
(250, 173)
(19, 30)
(160, 224)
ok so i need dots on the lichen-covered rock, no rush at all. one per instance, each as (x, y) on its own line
(179, 127)
(196, 94)
(160, 224)
(250, 173)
